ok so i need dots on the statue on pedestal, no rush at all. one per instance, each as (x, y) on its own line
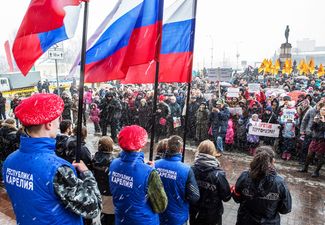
(287, 33)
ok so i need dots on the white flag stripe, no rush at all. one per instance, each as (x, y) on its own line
(181, 10)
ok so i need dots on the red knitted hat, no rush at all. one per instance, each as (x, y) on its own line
(39, 109)
(132, 138)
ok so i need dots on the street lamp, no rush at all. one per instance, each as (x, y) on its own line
(212, 42)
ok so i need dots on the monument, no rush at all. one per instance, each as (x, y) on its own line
(285, 50)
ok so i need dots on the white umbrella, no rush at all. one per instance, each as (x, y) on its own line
(225, 84)
(302, 78)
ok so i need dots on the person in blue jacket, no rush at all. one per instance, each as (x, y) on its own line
(138, 193)
(43, 188)
(261, 192)
(179, 183)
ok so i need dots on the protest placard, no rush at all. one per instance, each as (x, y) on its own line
(254, 88)
(264, 129)
(288, 114)
(236, 111)
(233, 92)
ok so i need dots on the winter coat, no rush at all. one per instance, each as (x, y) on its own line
(230, 133)
(94, 114)
(269, 118)
(307, 121)
(214, 188)
(74, 109)
(2, 103)
(164, 111)
(66, 114)
(100, 164)
(88, 97)
(110, 109)
(202, 125)
(241, 129)
(250, 137)
(261, 201)
(192, 109)
(85, 154)
(318, 130)
(219, 122)
(144, 115)
(8, 141)
(288, 129)
(302, 112)
(175, 110)
(61, 145)
(14, 103)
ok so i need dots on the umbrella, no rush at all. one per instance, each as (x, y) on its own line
(302, 78)
(225, 84)
(294, 94)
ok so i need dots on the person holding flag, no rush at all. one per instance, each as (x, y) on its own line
(42, 187)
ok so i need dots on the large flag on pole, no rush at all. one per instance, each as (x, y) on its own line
(132, 37)
(45, 23)
(176, 56)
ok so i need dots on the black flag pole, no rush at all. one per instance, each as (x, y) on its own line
(154, 110)
(186, 119)
(82, 80)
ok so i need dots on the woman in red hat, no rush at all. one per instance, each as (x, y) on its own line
(43, 188)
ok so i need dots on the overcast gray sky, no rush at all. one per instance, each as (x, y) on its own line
(255, 27)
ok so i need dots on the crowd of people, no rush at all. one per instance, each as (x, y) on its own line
(47, 186)
(223, 119)
(126, 190)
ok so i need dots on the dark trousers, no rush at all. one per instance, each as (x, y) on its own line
(97, 127)
(3, 114)
(161, 131)
(304, 149)
(114, 127)
(217, 220)
(107, 219)
(288, 145)
(320, 160)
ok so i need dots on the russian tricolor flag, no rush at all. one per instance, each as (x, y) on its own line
(132, 37)
(176, 56)
(45, 23)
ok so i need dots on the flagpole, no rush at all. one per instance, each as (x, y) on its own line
(82, 80)
(186, 119)
(188, 93)
(154, 110)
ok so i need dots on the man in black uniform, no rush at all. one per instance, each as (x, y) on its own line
(111, 109)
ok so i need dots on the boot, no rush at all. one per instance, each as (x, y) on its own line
(304, 169)
(315, 174)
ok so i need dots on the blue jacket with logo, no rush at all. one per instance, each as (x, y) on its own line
(174, 175)
(128, 181)
(28, 175)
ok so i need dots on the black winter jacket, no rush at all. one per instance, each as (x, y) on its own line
(8, 141)
(261, 202)
(61, 146)
(85, 154)
(100, 164)
(214, 188)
